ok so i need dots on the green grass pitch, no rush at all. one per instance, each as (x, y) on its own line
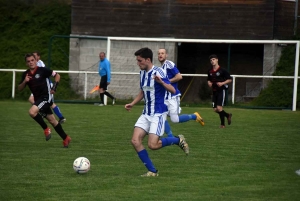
(255, 158)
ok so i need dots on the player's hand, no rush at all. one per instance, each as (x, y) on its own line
(52, 92)
(158, 79)
(128, 107)
(220, 84)
(27, 78)
(209, 84)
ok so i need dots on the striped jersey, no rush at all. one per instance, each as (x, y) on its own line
(40, 63)
(171, 70)
(154, 93)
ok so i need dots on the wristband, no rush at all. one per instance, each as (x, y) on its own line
(55, 84)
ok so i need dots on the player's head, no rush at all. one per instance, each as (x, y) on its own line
(102, 56)
(37, 55)
(30, 60)
(162, 55)
(213, 60)
(144, 58)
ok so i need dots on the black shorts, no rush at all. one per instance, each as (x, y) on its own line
(44, 105)
(218, 98)
(103, 82)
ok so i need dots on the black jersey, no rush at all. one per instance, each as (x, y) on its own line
(39, 84)
(219, 75)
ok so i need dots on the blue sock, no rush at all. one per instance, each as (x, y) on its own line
(146, 160)
(57, 112)
(167, 141)
(187, 117)
(168, 129)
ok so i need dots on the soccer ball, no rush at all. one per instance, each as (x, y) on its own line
(81, 165)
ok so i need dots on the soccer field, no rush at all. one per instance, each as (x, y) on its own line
(255, 158)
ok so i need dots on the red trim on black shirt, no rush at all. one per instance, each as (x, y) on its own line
(34, 71)
(216, 69)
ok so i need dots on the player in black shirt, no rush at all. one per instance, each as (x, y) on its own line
(218, 79)
(37, 79)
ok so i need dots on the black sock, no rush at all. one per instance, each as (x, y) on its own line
(225, 113)
(60, 131)
(39, 119)
(222, 118)
(109, 95)
(101, 97)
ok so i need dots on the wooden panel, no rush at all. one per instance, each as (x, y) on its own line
(177, 19)
(284, 19)
(247, 2)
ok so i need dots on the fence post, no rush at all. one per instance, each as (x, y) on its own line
(296, 77)
(233, 89)
(85, 84)
(13, 84)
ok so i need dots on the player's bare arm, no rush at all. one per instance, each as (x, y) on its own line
(177, 78)
(209, 83)
(23, 84)
(56, 77)
(223, 83)
(168, 87)
(137, 99)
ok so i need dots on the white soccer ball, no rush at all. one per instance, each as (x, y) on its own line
(81, 165)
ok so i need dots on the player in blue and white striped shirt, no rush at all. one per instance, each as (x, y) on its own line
(173, 100)
(153, 86)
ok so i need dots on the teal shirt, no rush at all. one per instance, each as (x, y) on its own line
(104, 69)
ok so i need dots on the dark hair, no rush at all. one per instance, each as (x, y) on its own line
(37, 53)
(29, 55)
(213, 56)
(145, 53)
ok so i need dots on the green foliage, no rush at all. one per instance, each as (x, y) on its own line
(27, 27)
(279, 92)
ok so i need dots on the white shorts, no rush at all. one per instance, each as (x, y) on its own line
(152, 124)
(173, 105)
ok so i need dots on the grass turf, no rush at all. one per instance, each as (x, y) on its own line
(255, 158)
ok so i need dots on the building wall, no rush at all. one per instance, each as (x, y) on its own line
(194, 19)
(206, 19)
(284, 19)
(84, 56)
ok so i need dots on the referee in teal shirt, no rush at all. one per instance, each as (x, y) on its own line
(104, 72)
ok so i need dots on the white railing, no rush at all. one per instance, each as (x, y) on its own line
(127, 73)
(220, 41)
